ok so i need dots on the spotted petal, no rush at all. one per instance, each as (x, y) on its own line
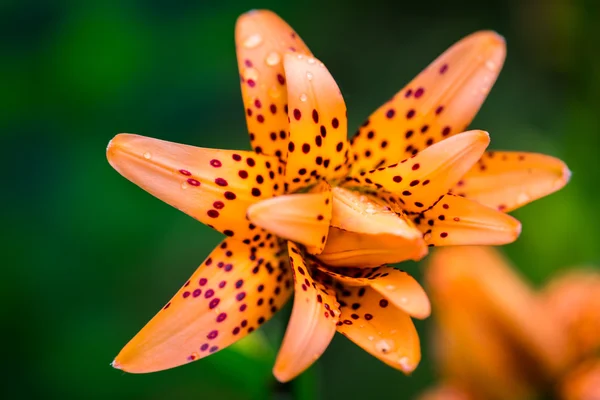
(401, 289)
(381, 329)
(312, 324)
(366, 233)
(303, 217)
(231, 294)
(508, 180)
(214, 186)
(262, 38)
(318, 124)
(418, 182)
(455, 220)
(441, 101)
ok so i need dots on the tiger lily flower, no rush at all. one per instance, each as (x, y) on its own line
(308, 211)
(497, 338)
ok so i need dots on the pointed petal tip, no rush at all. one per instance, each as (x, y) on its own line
(115, 364)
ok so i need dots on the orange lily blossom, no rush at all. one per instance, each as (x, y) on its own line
(496, 338)
(310, 211)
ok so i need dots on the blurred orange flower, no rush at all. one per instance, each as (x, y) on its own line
(311, 212)
(497, 338)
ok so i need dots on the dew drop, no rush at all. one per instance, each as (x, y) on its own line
(384, 346)
(405, 364)
(523, 198)
(309, 76)
(147, 155)
(390, 287)
(273, 58)
(404, 300)
(490, 65)
(253, 41)
(251, 73)
(311, 60)
(303, 97)
(274, 92)
(184, 185)
(371, 338)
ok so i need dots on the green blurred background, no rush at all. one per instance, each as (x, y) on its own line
(89, 257)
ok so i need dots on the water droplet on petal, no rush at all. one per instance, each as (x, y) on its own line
(252, 41)
(303, 97)
(371, 338)
(427, 236)
(491, 65)
(184, 185)
(384, 346)
(274, 92)
(523, 198)
(273, 58)
(311, 60)
(405, 364)
(309, 76)
(147, 155)
(404, 300)
(251, 73)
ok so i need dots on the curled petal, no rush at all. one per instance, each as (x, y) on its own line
(455, 220)
(303, 218)
(419, 181)
(401, 289)
(262, 39)
(318, 124)
(508, 180)
(582, 383)
(312, 324)
(573, 299)
(380, 328)
(231, 294)
(440, 102)
(477, 287)
(446, 392)
(214, 186)
(366, 233)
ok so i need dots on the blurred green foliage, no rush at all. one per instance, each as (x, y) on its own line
(89, 257)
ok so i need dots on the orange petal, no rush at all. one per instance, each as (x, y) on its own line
(446, 392)
(214, 186)
(582, 383)
(366, 233)
(318, 125)
(441, 101)
(262, 39)
(302, 217)
(418, 182)
(230, 295)
(508, 180)
(483, 285)
(381, 329)
(312, 324)
(401, 289)
(455, 220)
(573, 299)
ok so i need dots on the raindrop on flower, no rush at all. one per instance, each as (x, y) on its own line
(311, 60)
(273, 58)
(147, 155)
(184, 185)
(252, 41)
(384, 346)
(309, 76)
(303, 97)
(251, 73)
(274, 92)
